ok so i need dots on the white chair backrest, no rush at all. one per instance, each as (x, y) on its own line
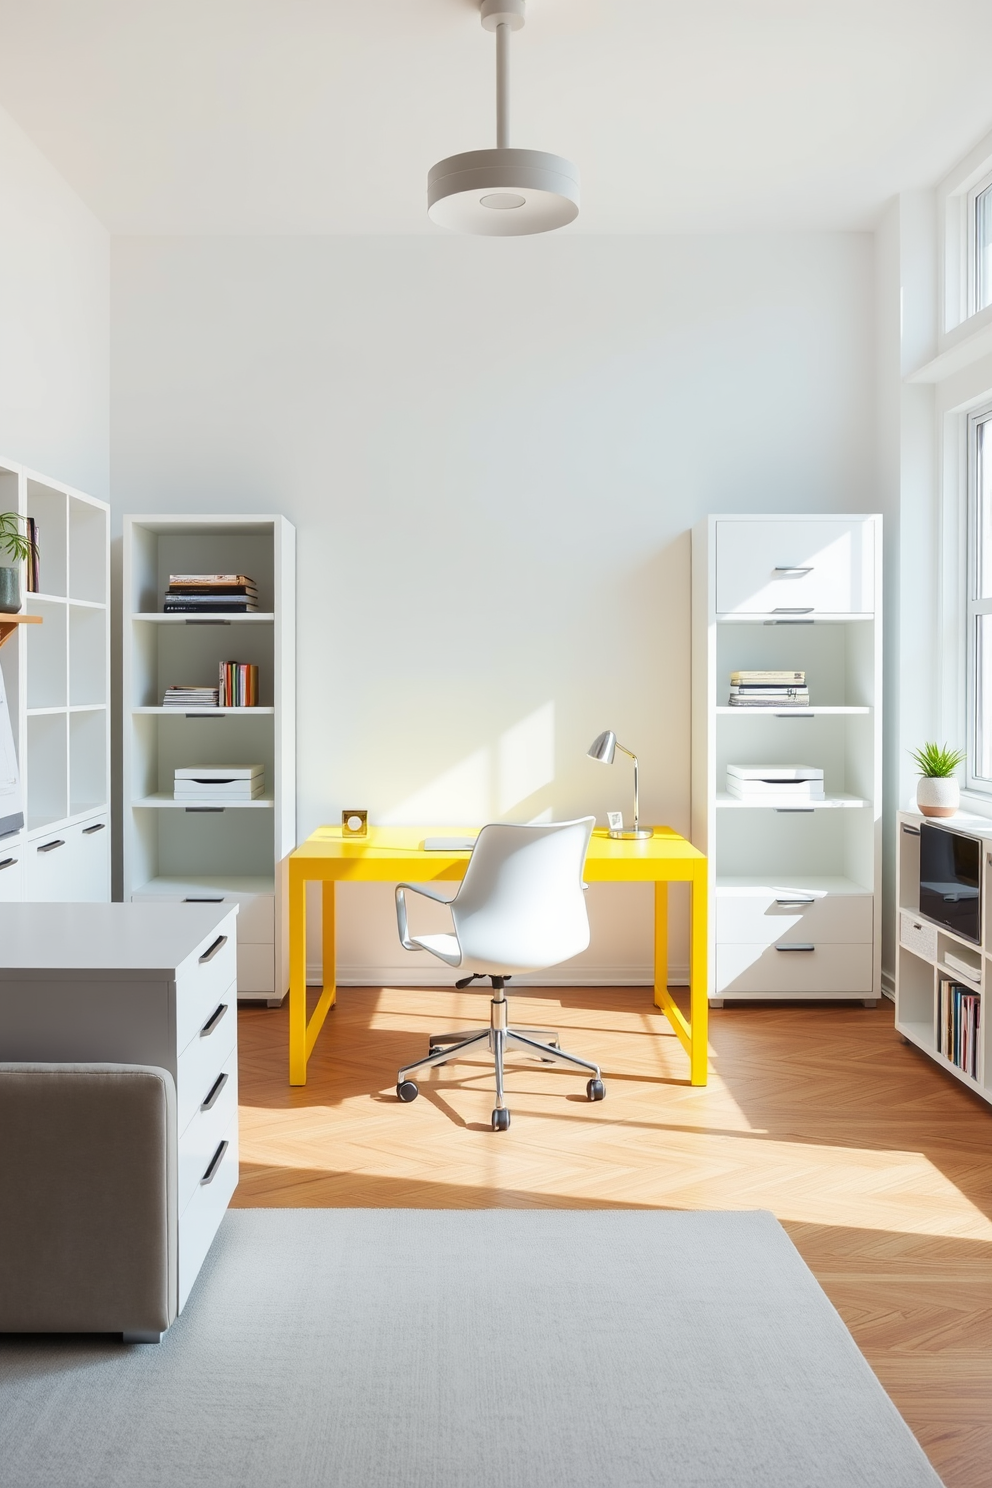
(521, 900)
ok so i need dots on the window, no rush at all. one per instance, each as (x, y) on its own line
(980, 246)
(980, 601)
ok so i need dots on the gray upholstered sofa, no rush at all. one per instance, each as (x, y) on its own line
(87, 1199)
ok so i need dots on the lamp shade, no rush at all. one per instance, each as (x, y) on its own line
(503, 193)
(603, 747)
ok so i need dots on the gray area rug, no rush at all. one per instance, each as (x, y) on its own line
(481, 1349)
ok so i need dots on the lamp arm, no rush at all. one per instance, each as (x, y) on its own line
(631, 755)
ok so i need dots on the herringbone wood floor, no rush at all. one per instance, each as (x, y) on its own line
(876, 1162)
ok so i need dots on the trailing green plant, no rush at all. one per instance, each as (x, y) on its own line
(937, 761)
(12, 539)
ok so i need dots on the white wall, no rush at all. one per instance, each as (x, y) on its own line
(54, 321)
(493, 452)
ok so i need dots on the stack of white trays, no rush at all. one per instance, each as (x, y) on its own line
(769, 784)
(219, 783)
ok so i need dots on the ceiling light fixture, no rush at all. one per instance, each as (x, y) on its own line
(503, 192)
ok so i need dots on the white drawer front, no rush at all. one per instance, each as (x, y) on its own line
(199, 1221)
(11, 875)
(206, 983)
(754, 969)
(89, 861)
(256, 968)
(762, 567)
(49, 877)
(256, 917)
(917, 935)
(764, 916)
(203, 1058)
(208, 1127)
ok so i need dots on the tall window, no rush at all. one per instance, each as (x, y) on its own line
(980, 601)
(980, 246)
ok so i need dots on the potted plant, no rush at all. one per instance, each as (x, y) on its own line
(938, 793)
(20, 548)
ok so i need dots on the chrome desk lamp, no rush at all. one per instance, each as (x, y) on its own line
(603, 748)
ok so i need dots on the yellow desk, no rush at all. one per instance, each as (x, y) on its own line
(395, 854)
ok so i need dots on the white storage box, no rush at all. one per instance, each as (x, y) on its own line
(237, 782)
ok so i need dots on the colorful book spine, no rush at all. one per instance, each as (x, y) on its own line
(238, 685)
(959, 1024)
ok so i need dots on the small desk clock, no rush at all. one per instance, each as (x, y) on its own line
(354, 824)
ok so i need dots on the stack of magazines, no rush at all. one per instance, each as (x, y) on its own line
(190, 697)
(211, 594)
(959, 1029)
(768, 690)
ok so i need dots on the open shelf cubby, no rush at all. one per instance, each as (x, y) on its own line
(214, 849)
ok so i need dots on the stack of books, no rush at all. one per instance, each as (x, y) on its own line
(959, 1020)
(190, 697)
(238, 685)
(211, 594)
(768, 690)
(219, 783)
(768, 785)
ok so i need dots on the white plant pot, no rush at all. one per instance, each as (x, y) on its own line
(938, 795)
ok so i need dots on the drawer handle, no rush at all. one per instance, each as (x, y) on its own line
(794, 903)
(51, 846)
(97, 827)
(793, 610)
(214, 1091)
(211, 952)
(794, 810)
(8, 862)
(217, 809)
(203, 715)
(215, 1163)
(914, 832)
(204, 899)
(916, 926)
(791, 568)
(809, 714)
(213, 1020)
(208, 622)
(795, 948)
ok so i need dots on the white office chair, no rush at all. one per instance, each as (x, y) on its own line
(519, 908)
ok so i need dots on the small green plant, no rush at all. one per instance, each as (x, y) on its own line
(936, 761)
(12, 540)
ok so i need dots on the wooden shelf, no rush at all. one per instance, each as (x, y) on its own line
(9, 624)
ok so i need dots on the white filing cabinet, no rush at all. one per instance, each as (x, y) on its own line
(138, 984)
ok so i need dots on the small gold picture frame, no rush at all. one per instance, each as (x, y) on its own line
(354, 824)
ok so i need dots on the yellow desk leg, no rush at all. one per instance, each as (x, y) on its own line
(329, 944)
(661, 945)
(699, 978)
(297, 975)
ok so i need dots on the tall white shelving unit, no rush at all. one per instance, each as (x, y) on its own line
(56, 677)
(795, 890)
(233, 852)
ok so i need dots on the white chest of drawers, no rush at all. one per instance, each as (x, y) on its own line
(138, 984)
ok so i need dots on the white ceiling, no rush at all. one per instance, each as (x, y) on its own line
(320, 116)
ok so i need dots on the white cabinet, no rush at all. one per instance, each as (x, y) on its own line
(57, 677)
(795, 886)
(783, 566)
(138, 984)
(11, 875)
(231, 853)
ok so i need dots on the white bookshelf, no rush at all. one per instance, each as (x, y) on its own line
(795, 889)
(56, 676)
(922, 946)
(234, 852)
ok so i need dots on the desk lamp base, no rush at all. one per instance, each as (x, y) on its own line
(627, 836)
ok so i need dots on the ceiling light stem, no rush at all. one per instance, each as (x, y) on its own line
(502, 86)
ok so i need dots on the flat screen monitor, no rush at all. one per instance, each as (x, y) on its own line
(951, 880)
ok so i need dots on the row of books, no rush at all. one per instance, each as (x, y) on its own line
(219, 783)
(767, 782)
(757, 689)
(237, 688)
(959, 1026)
(211, 594)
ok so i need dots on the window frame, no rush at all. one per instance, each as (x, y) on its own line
(971, 235)
(979, 420)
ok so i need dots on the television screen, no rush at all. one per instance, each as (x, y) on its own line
(950, 880)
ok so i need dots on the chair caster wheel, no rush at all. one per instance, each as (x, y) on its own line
(501, 1120)
(596, 1090)
(407, 1090)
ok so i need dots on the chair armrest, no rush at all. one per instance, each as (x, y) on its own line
(401, 918)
